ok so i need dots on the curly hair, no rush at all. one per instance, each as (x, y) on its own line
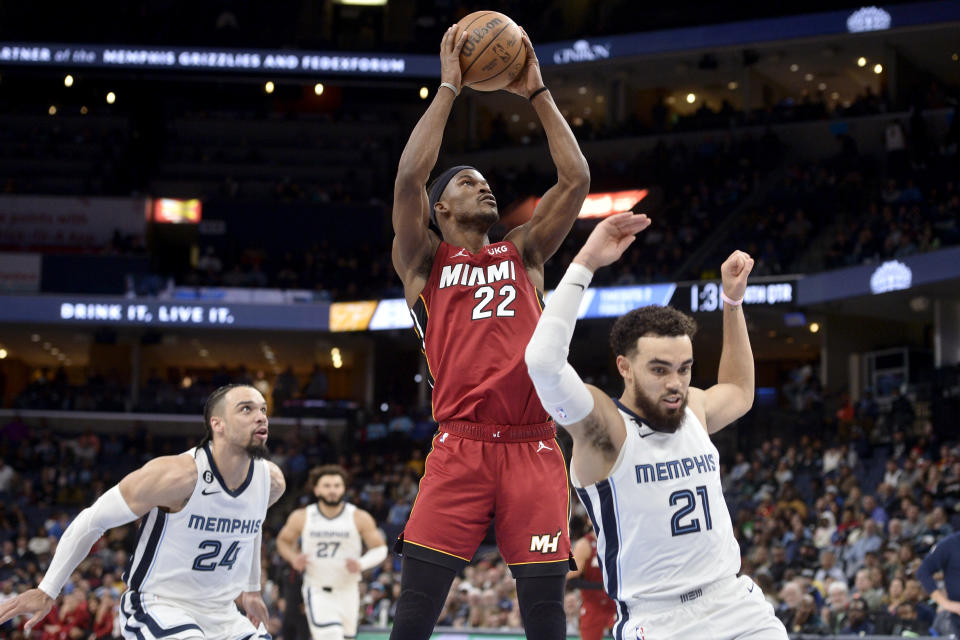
(326, 470)
(648, 321)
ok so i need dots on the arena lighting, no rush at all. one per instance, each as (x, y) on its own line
(3, 354)
(878, 68)
(336, 358)
(814, 327)
(268, 87)
(52, 110)
(68, 80)
(174, 211)
(691, 98)
(732, 85)
(808, 77)
(111, 97)
(601, 205)
(318, 88)
(424, 92)
(861, 61)
(83, 110)
(794, 67)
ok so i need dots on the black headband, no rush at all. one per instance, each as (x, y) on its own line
(436, 189)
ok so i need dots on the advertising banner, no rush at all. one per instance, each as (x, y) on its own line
(37, 222)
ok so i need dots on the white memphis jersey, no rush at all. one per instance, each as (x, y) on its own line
(202, 553)
(327, 543)
(662, 526)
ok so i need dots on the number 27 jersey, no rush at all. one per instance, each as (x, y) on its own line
(475, 316)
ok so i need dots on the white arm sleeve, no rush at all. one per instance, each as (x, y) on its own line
(373, 557)
(254, 582)
(109, 511)
(561, 390)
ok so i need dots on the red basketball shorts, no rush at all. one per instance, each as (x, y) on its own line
(520, 486)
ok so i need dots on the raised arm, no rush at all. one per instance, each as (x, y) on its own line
(559, 207)
(584, 411)
(411, 217)
(163, 482)
(732, 396)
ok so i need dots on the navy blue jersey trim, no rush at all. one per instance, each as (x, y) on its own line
(126, 571)
(611, 536)
(141, 616)
(149, 552)
(216, 474)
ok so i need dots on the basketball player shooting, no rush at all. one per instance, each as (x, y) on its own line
(644, 466)
(494, 455)
(198, 549)
(331, 534)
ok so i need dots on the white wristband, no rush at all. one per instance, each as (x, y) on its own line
(373, 557)
(728, 300)
(456, 92)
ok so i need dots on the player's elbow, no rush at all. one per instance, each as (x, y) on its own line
(543, 357)
(576, 179)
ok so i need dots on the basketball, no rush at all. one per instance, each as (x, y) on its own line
(493, 53)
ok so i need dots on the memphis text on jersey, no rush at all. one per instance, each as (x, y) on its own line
(672, 469)
(223, 525)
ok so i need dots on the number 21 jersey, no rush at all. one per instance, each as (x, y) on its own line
(662, 526)
(475, 317)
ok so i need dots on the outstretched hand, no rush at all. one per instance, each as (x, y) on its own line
(734, 272)
(450, 48)
(33, 601)
(256, 609)
(610, 239)
(528, 79)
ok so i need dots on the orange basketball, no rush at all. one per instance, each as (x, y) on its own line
(493, 54)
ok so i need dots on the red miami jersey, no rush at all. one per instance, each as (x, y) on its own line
(595, 599)
(474, 319)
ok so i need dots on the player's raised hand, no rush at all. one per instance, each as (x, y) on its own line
(256, 609)
(529, 78)
(734, 272)
(450, 48)
(610, 239)
(33, 601)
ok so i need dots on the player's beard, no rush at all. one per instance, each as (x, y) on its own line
(657, 418)
(332, 503)
(257, 450)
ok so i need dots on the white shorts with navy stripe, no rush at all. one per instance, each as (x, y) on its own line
(148, 617)
(332, 612)
(729, 609)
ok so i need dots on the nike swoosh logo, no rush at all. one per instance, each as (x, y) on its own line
(209, 493)
(579, 285)
(750, 589)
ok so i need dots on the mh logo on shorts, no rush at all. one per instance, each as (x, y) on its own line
(545, 543)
